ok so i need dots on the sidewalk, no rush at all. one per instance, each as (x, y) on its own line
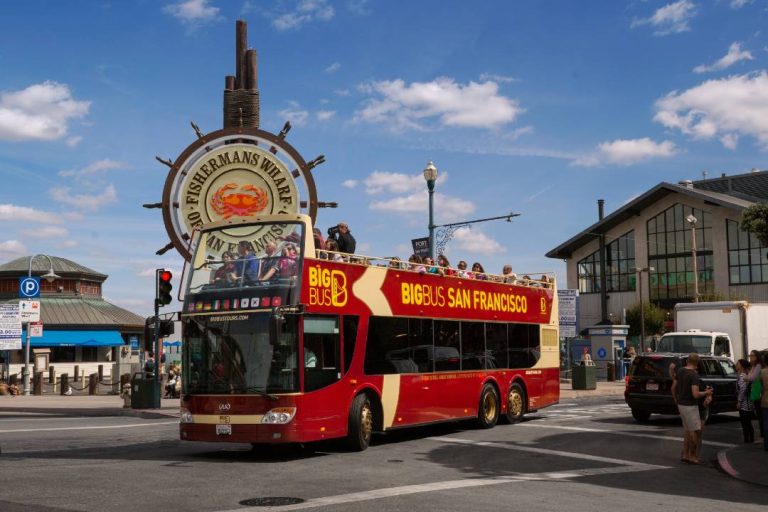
(603, 389)
(746, 462)
(83, 405)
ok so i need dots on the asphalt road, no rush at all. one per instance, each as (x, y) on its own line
(581, 455)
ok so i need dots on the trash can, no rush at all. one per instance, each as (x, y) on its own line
(584, 377)
(610, 371)
(143, 390)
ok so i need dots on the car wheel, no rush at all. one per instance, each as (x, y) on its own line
(640, 416)
(488, 411)
(515, 404)
(360, 424)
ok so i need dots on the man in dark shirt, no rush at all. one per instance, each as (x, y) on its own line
(345, 239)
(685, 391)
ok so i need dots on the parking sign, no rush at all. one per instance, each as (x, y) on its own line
(29, 287)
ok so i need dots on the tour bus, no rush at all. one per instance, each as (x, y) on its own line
(316, 345)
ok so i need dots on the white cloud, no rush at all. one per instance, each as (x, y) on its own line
(499, 79)
(627, 152)
(671, 19)
(67, 244)
(73, 141)
(333, 68)
(84, 202)
(519, 132)
(394, 182)
(342, 92)
(449, 208)
(13, 213)
(295, 114)
(46, 232)
(305, 11)
(39, 112)
(359, 7)
(349, 183)
(97, 167)
(192, 11)
(734, 55)
(325, 115)
(738, 4)
(735, 105)
(476, 242)
(12, 249)
(410, 106)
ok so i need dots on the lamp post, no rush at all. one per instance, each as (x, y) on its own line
(430, 174)
(692, 221)
(50, 276)
(639, 285)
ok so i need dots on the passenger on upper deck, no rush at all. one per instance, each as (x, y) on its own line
(445, 265)
(415, 264)
(287, 265)
(319, 241)
(271, 261)
(429, 264)
(507, 275)
(343, 237)
(479, 271)
(332, 246)
(227, 273)
(463, 272)
(248, 264)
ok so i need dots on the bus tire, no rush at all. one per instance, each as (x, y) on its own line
(515, 404)
(360, 426)
(488, 409)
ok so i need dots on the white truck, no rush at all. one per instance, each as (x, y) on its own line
(744, 325)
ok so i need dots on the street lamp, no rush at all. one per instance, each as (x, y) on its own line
(430, 174)
(692, 221)
(639, 285)
(49, 276)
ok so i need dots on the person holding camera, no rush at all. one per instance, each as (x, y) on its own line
(344, 239)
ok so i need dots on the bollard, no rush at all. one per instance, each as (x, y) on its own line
(77, 373)
(610, 372)
(51, 375)
(64, 383)
(125, 379)
(93, 382)
(37, 384)
(101, 373)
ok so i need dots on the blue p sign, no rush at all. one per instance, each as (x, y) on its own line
(29, 287)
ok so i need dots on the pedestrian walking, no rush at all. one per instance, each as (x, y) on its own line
(745, 406)
(753, 376)
(686, 393)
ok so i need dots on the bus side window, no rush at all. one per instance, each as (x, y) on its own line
(350, 338)
(496, 344)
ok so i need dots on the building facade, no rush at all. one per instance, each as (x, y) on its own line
(79, 326)
(649, 249)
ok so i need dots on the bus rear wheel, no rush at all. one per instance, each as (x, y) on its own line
(488, 412)
(515, 403)
(360, 424)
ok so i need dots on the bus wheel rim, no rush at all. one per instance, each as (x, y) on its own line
(515, 404)
(489, 407)
(366, 422)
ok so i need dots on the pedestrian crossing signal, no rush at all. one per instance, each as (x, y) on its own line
(163, 286)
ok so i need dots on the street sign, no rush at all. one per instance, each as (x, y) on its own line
(30, 310)
(29, 287)
(36, 330)
(10, 327)
(420, 246)
(567, 307)
(134, 339)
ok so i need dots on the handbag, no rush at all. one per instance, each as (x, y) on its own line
(757, 389)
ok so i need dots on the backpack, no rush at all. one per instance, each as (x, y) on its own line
(756, 389)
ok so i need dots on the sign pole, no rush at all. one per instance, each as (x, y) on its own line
(25, 373)
(158, 366)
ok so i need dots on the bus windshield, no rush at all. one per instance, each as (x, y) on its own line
(254, 266)
(685, 344)
(233, 354)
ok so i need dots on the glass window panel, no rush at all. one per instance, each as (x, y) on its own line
(743, 239)
(447, 346)
(671, 248)
(472, 346)
(661, 245)
(756, 274)
(743, 274)
(733, 258)
(734, 275)
(652, 250)
(670, 220)
(754, 255)
(765, 272)
(496, 343)
(631, 246)
(679, 217)
(420, 344)
(680, 241)
(733, 239)
(651, 226)
(744, 257)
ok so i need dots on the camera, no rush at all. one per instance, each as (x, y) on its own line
(333, 231)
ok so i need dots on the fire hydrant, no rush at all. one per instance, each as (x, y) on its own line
(125, 394)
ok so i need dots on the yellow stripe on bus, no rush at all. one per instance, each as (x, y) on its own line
(390, 394)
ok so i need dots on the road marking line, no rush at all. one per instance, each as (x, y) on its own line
(98, 427)
(450, 485)
(621, 433)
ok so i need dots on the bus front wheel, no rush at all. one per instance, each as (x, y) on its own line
(488, 412)
(360, 424)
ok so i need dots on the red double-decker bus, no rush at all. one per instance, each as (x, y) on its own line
(282, 344)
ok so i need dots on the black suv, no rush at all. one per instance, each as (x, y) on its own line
(648, 384)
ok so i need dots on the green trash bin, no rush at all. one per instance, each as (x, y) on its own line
(584, 377)
(143, 390)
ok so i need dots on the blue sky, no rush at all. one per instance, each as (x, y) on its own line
(538, 108)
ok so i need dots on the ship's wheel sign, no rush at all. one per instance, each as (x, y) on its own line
(232, 173)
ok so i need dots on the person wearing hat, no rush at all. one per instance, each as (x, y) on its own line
(343, 237)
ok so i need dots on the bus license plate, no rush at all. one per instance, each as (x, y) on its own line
(223, 430)
(652, 386)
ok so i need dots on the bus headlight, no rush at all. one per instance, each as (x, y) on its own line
(185, 416)
(279, 415)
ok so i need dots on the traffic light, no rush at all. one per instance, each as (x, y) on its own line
(163, 286)
(149, 334)
(166, 328)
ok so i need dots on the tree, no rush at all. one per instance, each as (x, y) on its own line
(654, 319)
(755, 220)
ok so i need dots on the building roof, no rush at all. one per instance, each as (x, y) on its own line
(41, 264)
(752, 186)
(84, 312)
(652, 196)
